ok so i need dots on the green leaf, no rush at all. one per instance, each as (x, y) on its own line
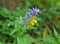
(55, 32)
(50, 40)
(25, 40)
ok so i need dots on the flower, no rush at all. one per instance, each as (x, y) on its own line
(26, 17)
(30, 13)
(30, 18)
(32, 23)
(34, 11)
(35, 21)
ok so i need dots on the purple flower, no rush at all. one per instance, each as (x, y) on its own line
(29, 13)
(26, 17)
(30, 19)
(34, 11)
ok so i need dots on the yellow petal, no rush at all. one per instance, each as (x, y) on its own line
(35, 21)
(32, 23)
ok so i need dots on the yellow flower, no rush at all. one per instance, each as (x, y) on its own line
(35, 21)
(32, 23)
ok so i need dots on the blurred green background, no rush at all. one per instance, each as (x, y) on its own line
(46, 31)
